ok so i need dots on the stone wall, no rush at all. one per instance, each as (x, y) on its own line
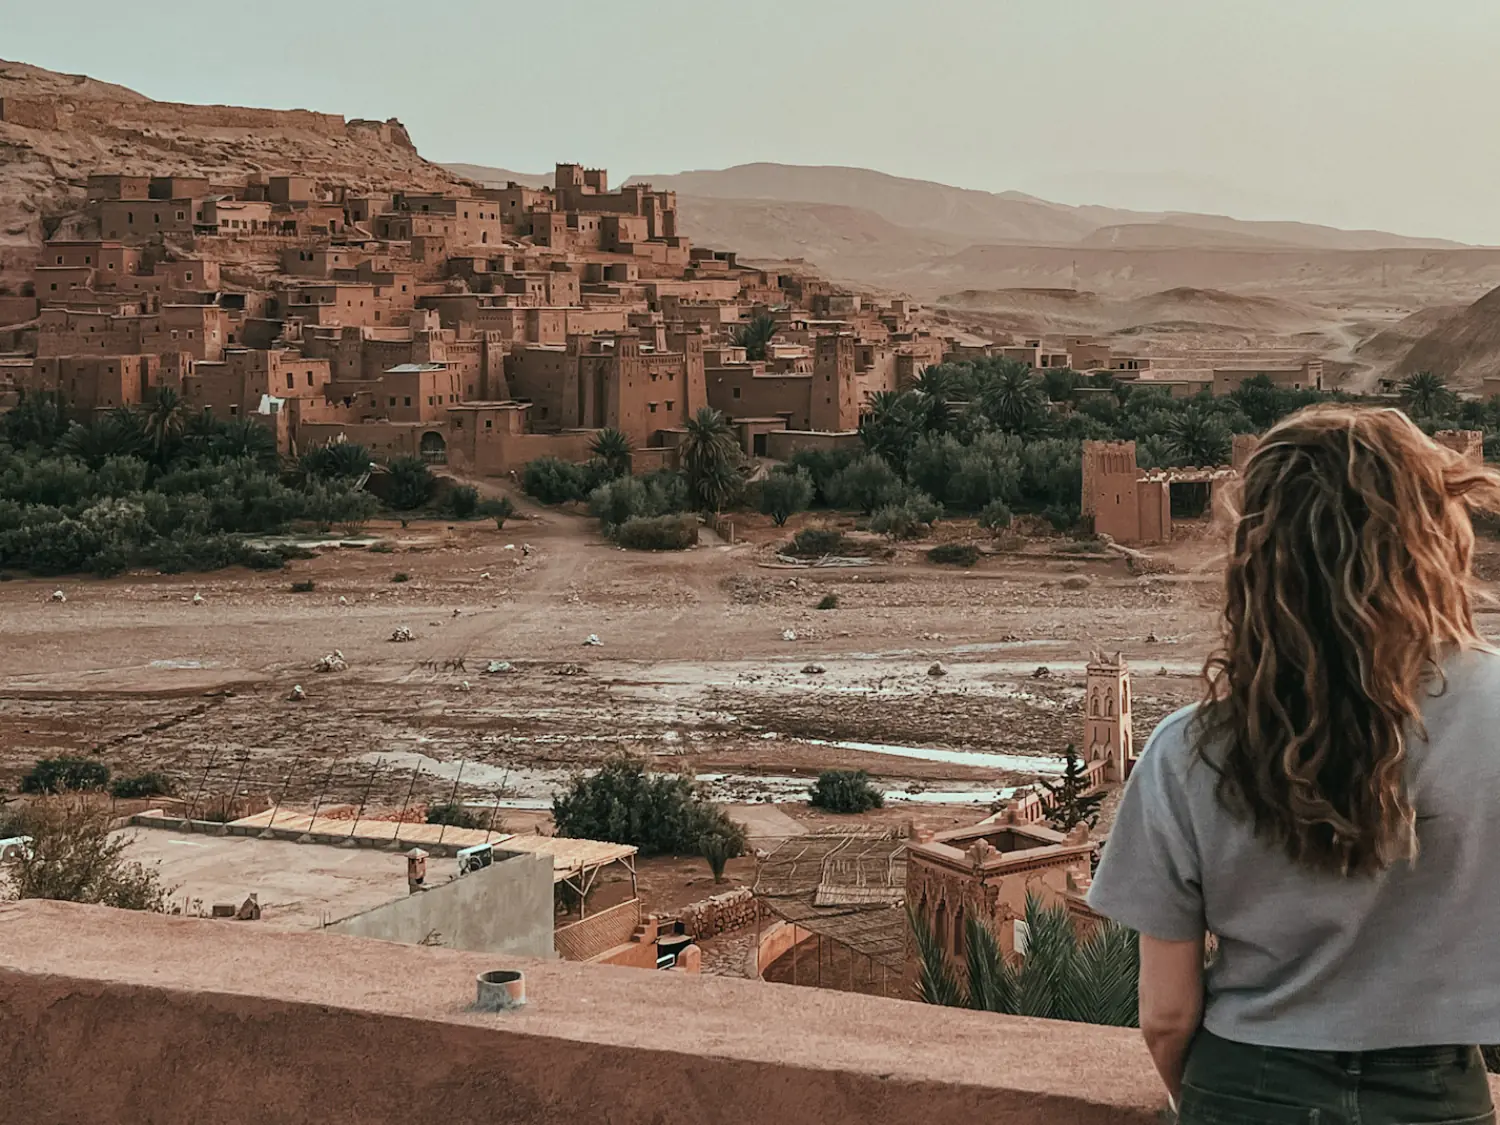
(732, 910)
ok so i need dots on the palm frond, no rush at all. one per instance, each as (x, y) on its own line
(936, 983)
(992, 979)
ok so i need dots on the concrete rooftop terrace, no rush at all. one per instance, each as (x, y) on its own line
(298, 886)
(114, 1016)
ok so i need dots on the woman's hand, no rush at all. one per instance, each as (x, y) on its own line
(1171, 1003)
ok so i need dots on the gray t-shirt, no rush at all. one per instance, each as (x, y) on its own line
(1407, 957)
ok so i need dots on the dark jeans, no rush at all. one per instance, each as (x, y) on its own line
(1237, 1084)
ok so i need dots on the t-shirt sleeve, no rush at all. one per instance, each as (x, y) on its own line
(1148, 878)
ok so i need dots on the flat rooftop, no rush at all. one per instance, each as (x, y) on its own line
(298, 886)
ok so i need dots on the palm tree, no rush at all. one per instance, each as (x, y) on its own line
(116, 434)
(1061, 976)
(1012, 398)
(1424, 393)
(754, 335)
(164, 423)
(709, 457)
(242, 437)
(1195, 437)
(612, 448)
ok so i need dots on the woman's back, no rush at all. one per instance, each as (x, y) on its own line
(1315, 959)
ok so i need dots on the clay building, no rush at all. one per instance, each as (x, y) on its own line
(609, 380)
(1305, 376)
(1132, 505)
(89, 383)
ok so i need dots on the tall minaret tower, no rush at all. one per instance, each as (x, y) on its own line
(1106, 722)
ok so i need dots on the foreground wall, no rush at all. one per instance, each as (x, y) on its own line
(504, 908)
(118, 1017)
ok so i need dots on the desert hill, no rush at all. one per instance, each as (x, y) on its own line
(1465, 346)
(982, 216)
(55, 129)
(499, 177)
(1032, 311)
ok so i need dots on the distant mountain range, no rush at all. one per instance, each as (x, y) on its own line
(913, 236)
(967, 216)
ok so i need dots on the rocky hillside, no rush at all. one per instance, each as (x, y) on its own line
(57, 128)
(1464, 347)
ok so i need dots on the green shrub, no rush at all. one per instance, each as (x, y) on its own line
(911, 518)
(619, 500)
(866, 483)
(305, 586)
(845, 791)
(658, 533)
(554, 481)
(624, 804)
(954, 554)
(461, 501)
(829, 601)
(57, 775)
(401, 576)
(500, 510)
(785, 493)
(149, 784)
(814, 542)
(454, 816)
(411, 483)
(382, 547)
(995, 516)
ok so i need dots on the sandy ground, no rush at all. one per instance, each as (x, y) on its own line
(693, 673)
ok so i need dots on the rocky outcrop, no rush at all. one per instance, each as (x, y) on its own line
(56, 129)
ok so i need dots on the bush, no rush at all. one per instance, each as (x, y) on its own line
(619, 500)
(58, 775)
(785, 493)
(866, 483)
(454, 816)
(911, 518)
(306, 586)
(383, 547)
(74, 856)
(829, 601)
(411, 483)
(954, 554)
(149, 784)
(995, 516)
(401, 576)
(624, 804)
(658, 533)
(554, 481)
(499, 510)
(815, 542)
(462, 501)
(845, 791)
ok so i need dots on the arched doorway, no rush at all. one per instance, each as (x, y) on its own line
(434, 449)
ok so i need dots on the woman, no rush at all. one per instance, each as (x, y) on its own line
(1331, 811)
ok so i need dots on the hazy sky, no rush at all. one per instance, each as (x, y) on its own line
(1358, 113)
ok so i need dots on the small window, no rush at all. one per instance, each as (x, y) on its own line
(652, 407)
(109, 265)
(87, 260)
(181, 215)
(188, 276)
(489, 423)
(290, 382)
(736, 392)
(669, 404)
(234, 408)
(174, 333)
(190, 333)
(59, 259)
(393, 400)
(309, 378)
(408, 400)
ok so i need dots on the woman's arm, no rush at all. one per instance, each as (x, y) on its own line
(1171, 1001)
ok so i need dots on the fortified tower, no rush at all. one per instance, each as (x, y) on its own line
(1107, 732)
